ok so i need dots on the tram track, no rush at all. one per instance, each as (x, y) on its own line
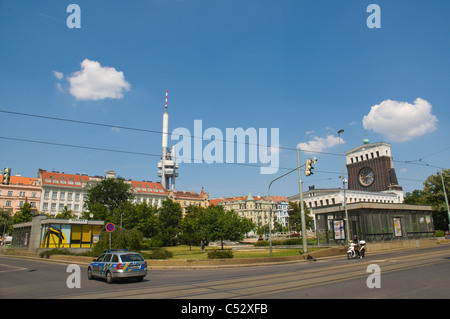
(306, 276)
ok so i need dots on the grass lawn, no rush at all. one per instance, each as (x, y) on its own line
(183, 252)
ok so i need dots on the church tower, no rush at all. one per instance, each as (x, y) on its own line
(370, 168)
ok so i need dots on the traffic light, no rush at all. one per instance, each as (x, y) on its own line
(309, 167)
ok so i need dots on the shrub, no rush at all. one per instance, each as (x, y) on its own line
(48, 253)
(220, 254)
(160, 253)
(439, 233)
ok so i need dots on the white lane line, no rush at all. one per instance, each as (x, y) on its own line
(16, 268)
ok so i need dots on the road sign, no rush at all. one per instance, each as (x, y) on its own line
(110, 227)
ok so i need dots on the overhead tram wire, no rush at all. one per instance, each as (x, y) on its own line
(160, 132)
(128, 152)
(150, 131)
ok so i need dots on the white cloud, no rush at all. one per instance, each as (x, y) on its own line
(58, 75)
(94, 82)
(320, 144)
(401, 121)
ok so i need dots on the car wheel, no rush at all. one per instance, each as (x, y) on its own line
(109, 278)
(139, 278)
(90, 275)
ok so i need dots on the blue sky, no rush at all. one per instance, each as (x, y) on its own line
(308, 68)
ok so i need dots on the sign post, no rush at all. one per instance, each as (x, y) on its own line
(110, 228)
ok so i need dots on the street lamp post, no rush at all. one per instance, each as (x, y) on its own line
(347, 231)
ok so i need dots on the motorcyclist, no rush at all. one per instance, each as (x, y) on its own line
(356, 242)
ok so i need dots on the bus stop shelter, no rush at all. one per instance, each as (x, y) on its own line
(373, 222)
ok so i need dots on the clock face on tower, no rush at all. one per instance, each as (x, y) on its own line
(366, 176)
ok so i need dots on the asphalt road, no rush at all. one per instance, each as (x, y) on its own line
(415, 273)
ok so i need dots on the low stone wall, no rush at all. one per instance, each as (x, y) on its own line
(401, 244)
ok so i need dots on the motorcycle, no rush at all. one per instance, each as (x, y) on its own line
(353, 253)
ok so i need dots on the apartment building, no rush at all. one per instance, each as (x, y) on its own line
(19, 190)
(256, 208)
(187, 198)
(60, 190)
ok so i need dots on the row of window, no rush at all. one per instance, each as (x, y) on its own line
(8, 203)
(53, 206)
(350, 200)
(62, 195)
(62, 182)
(21, 194)
(356, 159)
(187, 203)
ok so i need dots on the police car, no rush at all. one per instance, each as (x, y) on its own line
(118, 264)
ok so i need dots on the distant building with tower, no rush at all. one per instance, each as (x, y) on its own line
(167, 166)
(371, 179)
(373, 201)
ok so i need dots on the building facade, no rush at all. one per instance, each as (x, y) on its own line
(186, 199)
(19, 190)
(61, 190)
(148, 192)
(318, 198)
(256, 208)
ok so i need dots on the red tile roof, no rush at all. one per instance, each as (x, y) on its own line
(62, 179)
(21, 180)
(148, 187)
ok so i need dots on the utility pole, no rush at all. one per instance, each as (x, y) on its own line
(302, 209)
(446, 200)
(303, 212)
(347, 230)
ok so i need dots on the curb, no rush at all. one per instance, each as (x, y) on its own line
(333, 252)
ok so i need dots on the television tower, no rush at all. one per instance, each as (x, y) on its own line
(167, 167)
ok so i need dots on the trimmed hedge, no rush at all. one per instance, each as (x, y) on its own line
(220, 254)
(48, 253)
(159, 253)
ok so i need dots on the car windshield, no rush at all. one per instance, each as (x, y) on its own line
(131, 257)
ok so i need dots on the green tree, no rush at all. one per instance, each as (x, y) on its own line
(295, 220)
(66, 214)
(415, 198)
(169, 216)
(24, 215)
(121, 238)
(6, 222)
(214, 223)
(107, 199)
(433, 194)
(142, 217)
(189, 226)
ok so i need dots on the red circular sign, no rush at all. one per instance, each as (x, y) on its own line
(109, 227)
